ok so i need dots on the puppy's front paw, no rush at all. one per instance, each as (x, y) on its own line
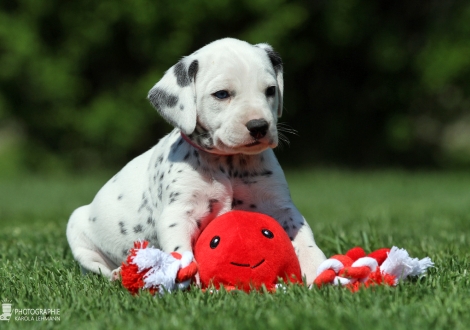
(116, 274)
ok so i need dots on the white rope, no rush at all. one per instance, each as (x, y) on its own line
(333, 264)
(163, 269)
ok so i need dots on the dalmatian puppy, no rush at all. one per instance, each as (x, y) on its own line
(224, 101)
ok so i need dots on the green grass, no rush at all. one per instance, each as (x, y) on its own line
(426, 213)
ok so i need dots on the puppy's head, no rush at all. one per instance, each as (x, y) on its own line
(226, 97)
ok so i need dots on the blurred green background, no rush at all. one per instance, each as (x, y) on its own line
(368, 83)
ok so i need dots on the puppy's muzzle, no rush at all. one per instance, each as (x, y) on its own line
(258, 128)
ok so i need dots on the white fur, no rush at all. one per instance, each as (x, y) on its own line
(170, 193)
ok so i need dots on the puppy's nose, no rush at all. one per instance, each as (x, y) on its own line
(257, 127)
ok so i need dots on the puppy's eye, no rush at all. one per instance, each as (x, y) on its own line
(271, 91)
(214, 242)
(269, 234)
(221, 95)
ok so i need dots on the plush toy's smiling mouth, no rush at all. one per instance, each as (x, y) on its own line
(247, 265)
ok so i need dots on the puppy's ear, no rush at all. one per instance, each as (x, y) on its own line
(276, 62)
(174, 96)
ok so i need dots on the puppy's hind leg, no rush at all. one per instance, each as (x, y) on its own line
(93, 261)
(90, 258)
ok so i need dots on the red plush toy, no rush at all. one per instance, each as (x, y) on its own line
(238, 250)
(243, 250)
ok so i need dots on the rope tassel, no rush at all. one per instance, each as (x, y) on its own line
(157, 271)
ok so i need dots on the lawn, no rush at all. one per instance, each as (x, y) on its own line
(428, 213)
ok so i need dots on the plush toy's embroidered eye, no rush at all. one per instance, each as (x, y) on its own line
(214, 242)
(269, 234)
(271, 91)
(221, 95)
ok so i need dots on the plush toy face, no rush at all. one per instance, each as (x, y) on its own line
(245, 250)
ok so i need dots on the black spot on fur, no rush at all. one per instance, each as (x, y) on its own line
(173, 196)
(187, 156)
(181, 107)
(221, 169)
(253, 206)
(172, 225)
(291, 238)
(122, 229)
(124, 252)
(248, 182)
(144, 204)
(275, 59)
(138, 229)
(120, 197)
(236, 202)
(266, 173)
(149, 220)
(176, 248)
(182, 78)
(160, 99)
(160, 159)
(152, 239)
(211, 204)
(193, 69)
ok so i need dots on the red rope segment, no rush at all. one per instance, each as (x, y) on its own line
(354, 269)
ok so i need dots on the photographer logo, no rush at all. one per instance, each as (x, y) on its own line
(6, 311)
(28, 314)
